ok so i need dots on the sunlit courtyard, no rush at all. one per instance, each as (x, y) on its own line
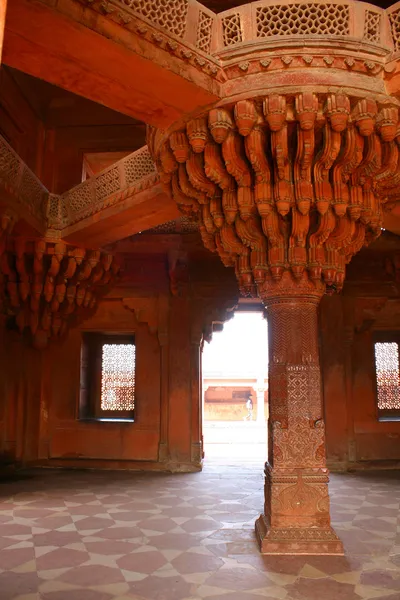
(235, 390)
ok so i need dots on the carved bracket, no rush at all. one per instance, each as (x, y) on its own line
(47, 286)
(267, 204)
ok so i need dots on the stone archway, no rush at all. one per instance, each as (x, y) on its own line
(235, 369)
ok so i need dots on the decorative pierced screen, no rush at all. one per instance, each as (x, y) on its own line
(295, 19)
(204, 32)
(107, 183)
(231, 29)
(10, 163)
(372, 26)
(394, 19)
(138, 164)
(387, 375)
(170, 14)
(118, 377)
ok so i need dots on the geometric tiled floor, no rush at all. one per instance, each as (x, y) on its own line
(76, 535)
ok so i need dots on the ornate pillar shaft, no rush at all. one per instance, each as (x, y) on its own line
(296, 511)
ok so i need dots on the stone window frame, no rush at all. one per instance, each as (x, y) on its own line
(385, 337)
(89, 408)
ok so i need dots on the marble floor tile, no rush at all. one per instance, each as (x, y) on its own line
(102, 535)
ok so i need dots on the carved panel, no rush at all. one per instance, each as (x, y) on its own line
(10, 163)
(303, 19)
(372, 26)
(118, 377)
(387, 375)
(32, 192)
(204, 32)
(138, 165)
(107, 183)
(231, 29)
(171, 15)
(394, 20)
(79, 198)
(302, 498)
(21, 181)
(110, 186)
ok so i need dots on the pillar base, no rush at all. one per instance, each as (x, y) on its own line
(297, 540)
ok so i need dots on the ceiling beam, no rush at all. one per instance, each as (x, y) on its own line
(83, 52)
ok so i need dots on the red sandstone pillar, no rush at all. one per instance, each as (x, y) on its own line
(296, 512)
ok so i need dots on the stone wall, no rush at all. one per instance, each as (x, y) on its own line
(369, 303)
(169, 313)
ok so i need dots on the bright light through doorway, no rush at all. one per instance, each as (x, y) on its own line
(235, 390)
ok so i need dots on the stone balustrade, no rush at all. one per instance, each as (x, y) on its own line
(52, 212)
(266, 21)
(132, 174)
(272, 21)
(21, 184)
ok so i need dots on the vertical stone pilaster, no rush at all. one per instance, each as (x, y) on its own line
(296, 517)
(163, 338)
(3, 9)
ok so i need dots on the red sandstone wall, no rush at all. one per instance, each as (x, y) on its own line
(20, 397)
(39, 390)
(374, 440)
(370, 302)
(68, 437)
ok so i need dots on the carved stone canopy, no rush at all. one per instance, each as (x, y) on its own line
(291, 182)
(46, 285)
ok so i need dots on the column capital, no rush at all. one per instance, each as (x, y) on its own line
(290, 289)
(286, 182)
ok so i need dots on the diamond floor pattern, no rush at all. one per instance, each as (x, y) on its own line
(87, 535)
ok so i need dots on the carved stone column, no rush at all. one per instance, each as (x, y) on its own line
(296, 512)
(286, 188)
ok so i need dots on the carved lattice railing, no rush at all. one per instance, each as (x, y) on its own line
(131, 175)
(185, 21)
(19, 182)
(267, 21)
(274, 21)
(227, 34)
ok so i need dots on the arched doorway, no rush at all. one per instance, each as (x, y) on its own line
(235, 388)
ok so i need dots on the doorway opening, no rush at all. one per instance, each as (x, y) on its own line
(235, 388)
